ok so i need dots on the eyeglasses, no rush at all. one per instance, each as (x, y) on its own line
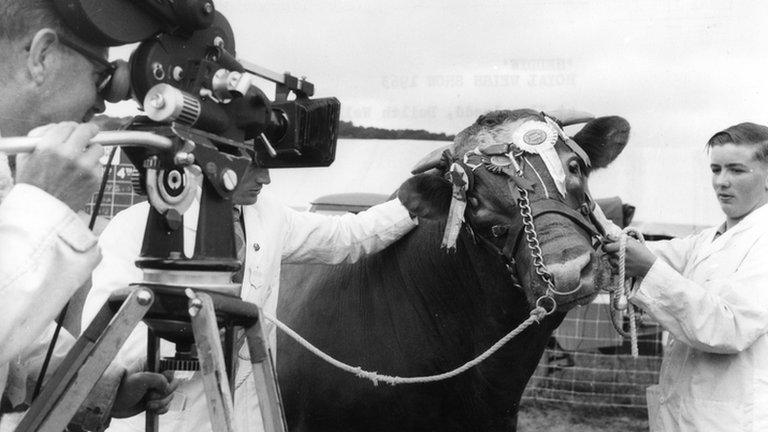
(108, 69)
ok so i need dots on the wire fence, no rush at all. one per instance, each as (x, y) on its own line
(587, 363)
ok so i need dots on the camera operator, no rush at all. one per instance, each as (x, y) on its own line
(47, 252)
(273, 234)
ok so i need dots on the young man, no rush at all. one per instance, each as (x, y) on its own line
(274, 234)
(710, 291)
(46, 251)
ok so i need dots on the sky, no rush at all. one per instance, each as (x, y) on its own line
(679, 71)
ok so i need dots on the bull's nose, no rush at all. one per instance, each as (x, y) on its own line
(567, 275)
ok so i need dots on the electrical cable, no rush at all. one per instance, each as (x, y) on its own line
(63, 313)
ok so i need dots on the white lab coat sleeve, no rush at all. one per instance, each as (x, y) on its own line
(726, 316)
(323, 239)
(675, 252)
(47, 254)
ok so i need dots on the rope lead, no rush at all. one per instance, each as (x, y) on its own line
(536, 315)
(619, 301)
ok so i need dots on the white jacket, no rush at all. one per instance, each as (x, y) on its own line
(712, 296)
(275, 234)
(47, 253)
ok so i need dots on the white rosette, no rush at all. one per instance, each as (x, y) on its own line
(460, 183)
(539, 138)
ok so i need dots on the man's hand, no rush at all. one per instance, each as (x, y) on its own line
(143, 391)
(638, 258)
(64, 164)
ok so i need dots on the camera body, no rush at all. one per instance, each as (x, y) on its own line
(189, 47)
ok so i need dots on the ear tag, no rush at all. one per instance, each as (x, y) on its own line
(460, 181)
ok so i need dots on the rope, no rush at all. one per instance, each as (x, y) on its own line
(536, 315)
(619, 301)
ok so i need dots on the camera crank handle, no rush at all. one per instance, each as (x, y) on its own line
(15, 145)
(271, 150)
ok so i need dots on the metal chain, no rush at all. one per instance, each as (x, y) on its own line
(532, 239)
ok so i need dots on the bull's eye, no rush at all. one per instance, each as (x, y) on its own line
(473, 202)
(574, 167)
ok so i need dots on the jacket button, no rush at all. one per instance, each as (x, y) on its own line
(256, 247)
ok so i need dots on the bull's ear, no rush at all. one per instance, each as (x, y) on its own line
(603, 139)
(427, 196)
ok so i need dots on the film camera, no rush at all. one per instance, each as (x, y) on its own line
(186, 77)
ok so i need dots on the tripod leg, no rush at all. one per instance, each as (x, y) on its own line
(266, 380)
(230, 354)
(153, 364)
(211, 357)
(69, 386)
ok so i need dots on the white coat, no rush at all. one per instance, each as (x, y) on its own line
(712, 297)
(275, 234)
(47, 253)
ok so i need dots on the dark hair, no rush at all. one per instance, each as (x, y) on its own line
(20, 18)
(744, 134)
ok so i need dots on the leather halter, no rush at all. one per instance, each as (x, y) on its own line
(550, 205)
(583, 218)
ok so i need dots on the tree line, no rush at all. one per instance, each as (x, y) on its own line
(349, 130)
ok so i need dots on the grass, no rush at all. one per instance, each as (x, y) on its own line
(552, 417)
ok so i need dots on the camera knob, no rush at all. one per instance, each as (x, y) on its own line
(165, 103)
(137, 181)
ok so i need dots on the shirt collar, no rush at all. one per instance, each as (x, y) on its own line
(756, 217)
(720, 231)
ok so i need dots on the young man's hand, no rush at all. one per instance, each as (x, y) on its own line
(143, 391)
(64, 164)
(638, 258)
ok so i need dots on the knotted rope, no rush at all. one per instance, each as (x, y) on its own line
(536, 315)
(619, 302)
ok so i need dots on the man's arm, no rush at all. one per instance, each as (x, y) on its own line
(726, 316)
(47, 254)
(316, 238)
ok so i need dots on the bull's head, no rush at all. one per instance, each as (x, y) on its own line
(521, 184)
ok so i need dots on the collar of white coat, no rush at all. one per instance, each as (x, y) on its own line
(757, 218)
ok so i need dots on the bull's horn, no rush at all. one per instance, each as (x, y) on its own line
(570, 117)
(433, 160)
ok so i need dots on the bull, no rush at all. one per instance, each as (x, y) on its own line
(531, 238)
